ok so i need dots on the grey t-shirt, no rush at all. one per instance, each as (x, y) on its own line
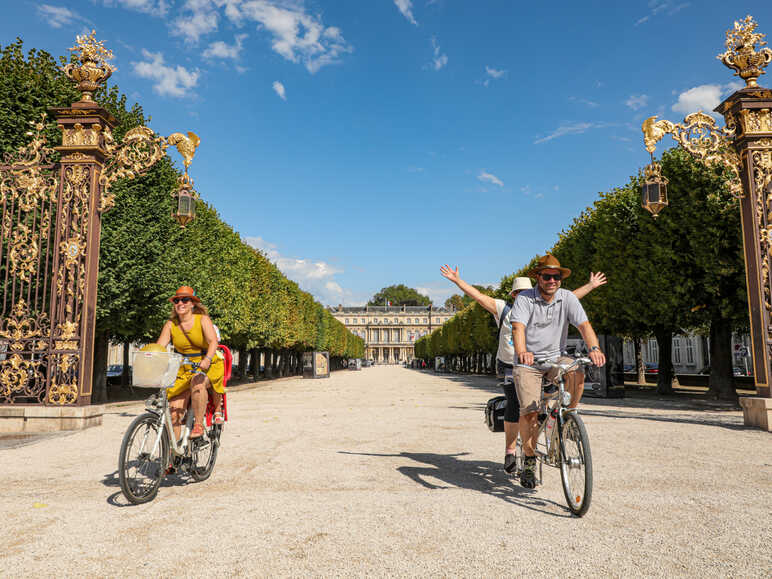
(546, 324)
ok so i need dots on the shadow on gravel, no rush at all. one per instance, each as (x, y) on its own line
(112, 480)
(730, 422)
(482, 476)
(721, 413)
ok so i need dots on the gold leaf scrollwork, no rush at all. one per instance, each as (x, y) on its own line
(140, 150)
(700, 136)
(741, 54)
(23, 253)
(23, 335)
(62, 393)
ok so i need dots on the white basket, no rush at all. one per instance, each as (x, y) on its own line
(155, 369)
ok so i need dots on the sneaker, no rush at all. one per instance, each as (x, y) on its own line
(528, 476)
(509, 462)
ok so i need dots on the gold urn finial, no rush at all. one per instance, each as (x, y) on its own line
(741, 54)
(93, 69)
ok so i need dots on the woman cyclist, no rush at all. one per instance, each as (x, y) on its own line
(193, 335)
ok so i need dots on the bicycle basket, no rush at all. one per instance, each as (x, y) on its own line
(155, 369)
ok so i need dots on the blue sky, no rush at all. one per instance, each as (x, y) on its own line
(364, 143)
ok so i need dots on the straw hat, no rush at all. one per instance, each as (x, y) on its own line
(521, 283)
(549, 261)
(185, 292)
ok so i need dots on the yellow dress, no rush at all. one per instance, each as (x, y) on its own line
(196, 352)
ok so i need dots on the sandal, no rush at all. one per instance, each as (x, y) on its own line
(219, 418)
(197, 432)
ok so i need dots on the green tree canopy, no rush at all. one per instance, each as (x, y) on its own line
(399, 295)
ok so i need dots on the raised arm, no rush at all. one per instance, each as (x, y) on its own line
(596, 280)
(487, 302)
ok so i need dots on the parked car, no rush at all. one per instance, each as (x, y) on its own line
(736, 371)
(115, 373)
(652, 368)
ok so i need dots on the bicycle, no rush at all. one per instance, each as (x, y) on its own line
(149, 449)
(562, 440)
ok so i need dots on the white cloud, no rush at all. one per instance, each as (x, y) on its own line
(489, 178)
(636, 102)
(200, 18)
(170, 81)
(315, 277)
(570, 129)
(492, 74)
(297, 35)
(279, 90)
(220, 49)
(57, 16)
(705, 97)
(439, 60)
(406, 7)
(657, 7)
(584, 101)
(153, 7)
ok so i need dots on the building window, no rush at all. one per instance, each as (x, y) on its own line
(346, 321)
(690, 351)
(396, 336)
(416, 320)
(653, 348)
(374, 334)
(396, 320)
(385, 335)
(426, 321)
(677, 350)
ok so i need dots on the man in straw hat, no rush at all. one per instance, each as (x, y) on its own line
(506, 351)
(540, 319)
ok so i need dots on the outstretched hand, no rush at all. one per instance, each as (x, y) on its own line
(597, 279)
(451, 274)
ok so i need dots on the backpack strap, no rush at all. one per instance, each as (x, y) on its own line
(504, 314)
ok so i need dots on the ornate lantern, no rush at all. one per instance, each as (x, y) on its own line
(186, 202)
(654, 189)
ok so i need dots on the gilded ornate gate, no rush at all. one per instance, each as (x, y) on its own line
(29, 194)
(49, 238)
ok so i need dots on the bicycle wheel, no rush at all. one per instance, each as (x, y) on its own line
(141, 470)
(204, 454)
(576, 464)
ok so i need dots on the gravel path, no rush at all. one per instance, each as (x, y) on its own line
(391, 471)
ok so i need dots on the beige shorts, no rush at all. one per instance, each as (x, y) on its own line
(528, 385)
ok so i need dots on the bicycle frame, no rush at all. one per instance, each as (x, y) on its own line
(178, 448)
(549, 448)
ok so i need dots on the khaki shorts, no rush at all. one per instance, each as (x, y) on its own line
(528, 385)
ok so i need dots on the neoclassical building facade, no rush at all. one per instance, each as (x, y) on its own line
(390, 332)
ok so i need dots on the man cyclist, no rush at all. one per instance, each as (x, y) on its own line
(540, 318)
(506, 352)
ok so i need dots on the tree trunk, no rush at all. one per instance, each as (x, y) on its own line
(125, 374)
(640, 369)
(268, 368)
(99, 377)
(665, 374)
(721, 363)
(243, 359)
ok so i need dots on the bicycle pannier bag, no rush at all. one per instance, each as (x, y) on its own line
(494, 413)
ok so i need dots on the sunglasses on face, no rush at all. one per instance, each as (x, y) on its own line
(178, 300)
(549, 276)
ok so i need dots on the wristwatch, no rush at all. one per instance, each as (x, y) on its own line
(594, 348)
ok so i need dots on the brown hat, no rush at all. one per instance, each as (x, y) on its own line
(549, 261)
(185, 292)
